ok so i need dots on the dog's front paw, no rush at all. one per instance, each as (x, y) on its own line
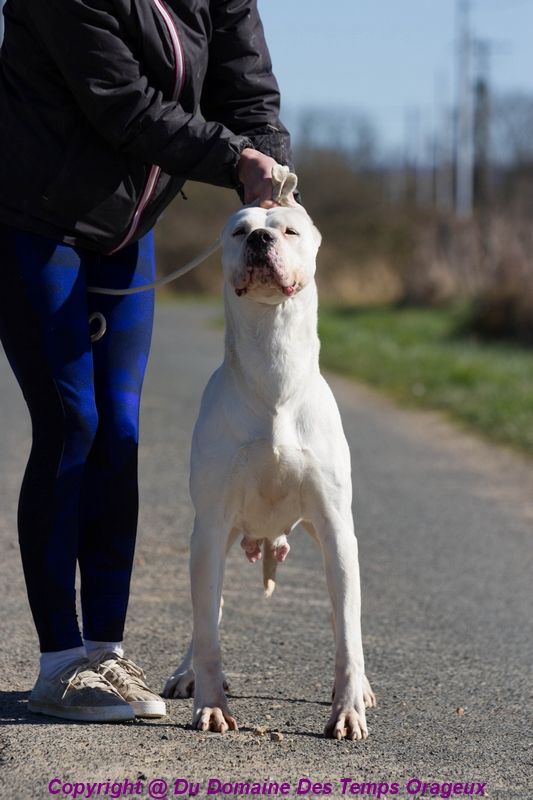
(181, 684)
(214, 718)
(346, 723)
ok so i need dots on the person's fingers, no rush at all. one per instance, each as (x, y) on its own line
(258, 193)
(265, 192)
(255, 173)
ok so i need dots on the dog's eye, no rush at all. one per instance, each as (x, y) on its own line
(239, 232)
(291, 232)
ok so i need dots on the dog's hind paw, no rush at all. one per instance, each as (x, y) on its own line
(346, 724)
(368, 694)
(181, 685)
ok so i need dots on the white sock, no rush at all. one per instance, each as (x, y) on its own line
(53, 664)
(98, 649)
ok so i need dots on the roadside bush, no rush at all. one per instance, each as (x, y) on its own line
(503, 307)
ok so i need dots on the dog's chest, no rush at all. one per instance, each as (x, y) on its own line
(264, 488)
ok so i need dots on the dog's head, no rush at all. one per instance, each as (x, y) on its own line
(269, 254)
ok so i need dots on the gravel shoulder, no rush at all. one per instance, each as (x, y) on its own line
(445, 525)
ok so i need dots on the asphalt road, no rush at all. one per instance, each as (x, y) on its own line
(445, 525)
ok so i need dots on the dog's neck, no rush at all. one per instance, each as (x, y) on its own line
(271, 351)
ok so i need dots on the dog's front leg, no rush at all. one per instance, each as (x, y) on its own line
(339, 550)
(210, 711)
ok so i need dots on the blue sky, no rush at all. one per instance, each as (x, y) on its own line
(384, 57)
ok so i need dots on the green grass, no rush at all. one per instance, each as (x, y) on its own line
(418, 357)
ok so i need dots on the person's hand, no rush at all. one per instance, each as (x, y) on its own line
(255, 173)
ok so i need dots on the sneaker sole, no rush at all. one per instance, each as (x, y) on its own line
(149, 709)
(78, 714)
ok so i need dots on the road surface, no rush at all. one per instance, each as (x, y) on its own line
(445, 526)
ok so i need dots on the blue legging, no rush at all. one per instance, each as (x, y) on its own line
(79, 495)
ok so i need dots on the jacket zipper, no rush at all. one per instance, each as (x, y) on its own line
(155, 171)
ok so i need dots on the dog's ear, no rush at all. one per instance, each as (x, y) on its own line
(317, 236)
(315, 233)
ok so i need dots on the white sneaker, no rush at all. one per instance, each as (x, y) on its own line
(79, 693)
(129, 681)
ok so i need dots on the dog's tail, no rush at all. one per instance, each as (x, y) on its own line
(269, 569)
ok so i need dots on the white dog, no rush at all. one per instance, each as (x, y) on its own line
(269, 452)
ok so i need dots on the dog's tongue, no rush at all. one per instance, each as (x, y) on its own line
(288, 290)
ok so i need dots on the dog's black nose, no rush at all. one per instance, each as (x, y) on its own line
(260, 237)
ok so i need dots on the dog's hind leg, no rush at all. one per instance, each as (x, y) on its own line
(181, 682)
(310, 528)
(208, 549)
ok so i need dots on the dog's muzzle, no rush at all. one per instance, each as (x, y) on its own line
(262, 265)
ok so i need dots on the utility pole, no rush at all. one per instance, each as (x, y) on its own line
(412, 156)
(443, 160)
(464, 157)
(482, 125)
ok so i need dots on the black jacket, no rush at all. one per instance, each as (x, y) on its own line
(108, 106)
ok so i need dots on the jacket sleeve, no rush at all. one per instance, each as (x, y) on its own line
(240, 90)
(85, 40)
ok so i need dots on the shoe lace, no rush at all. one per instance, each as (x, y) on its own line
(84, 676)
(123, 671)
